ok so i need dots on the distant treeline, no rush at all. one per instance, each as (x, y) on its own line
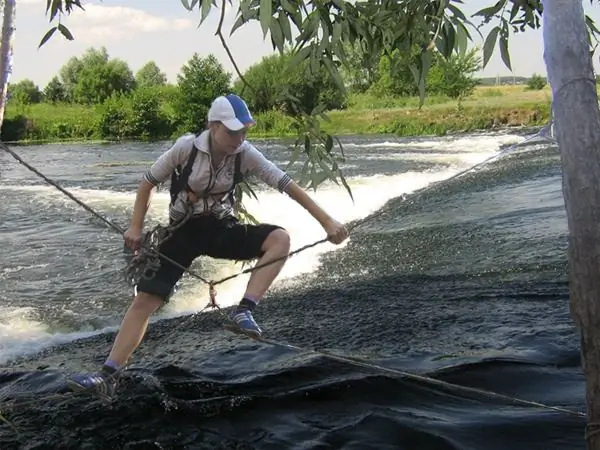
(144, 106)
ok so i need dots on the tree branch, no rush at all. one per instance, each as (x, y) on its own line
(219, 33)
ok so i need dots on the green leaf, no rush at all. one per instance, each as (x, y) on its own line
(314, 62)
(337, 32)
(446, 40)
(324, 44)
(243, 19)
(335, 74)
(245, 8)
(238, 23)
(47, 36)
(329, 143)
(304, 173)
(450, 33)
(310, 27)
(265, 15)
(294, 157)
(307, 144)
(55, 7)
(461, 38)
(457, 12)
(491, 10)
(345, 183)
(300, 56)
(186, 5)
(514, 11)
(504, 51)
(591, 25)
(318, 178)
(276, 36)
(287, 6)
(205, 8)
(284, 23)
(490, 43)
(341, 4)
(340, 145)
(65, 32)
(426, 58)
(327, 170)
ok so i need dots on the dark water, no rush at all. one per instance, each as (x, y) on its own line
(464, 283)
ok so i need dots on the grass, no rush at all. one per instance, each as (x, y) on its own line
(490, 107)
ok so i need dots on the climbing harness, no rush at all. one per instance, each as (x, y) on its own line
(147, 260)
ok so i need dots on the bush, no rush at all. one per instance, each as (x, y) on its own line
(138, 116)
(536, 83)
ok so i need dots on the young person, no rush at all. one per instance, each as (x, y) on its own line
(212, 230)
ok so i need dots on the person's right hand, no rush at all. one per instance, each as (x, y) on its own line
(133, 238)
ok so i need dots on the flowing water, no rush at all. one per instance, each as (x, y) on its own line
(465, 282)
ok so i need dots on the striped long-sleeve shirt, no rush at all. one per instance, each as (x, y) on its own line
(213, 185)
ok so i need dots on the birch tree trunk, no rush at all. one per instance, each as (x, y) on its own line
(577, 118)
(6, 49)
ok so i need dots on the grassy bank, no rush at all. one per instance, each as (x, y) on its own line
(488, 108)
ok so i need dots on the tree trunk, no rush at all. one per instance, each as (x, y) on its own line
(6, 49)
(577, 119)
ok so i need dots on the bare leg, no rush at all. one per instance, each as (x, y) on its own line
(133, 327)
(277, 245)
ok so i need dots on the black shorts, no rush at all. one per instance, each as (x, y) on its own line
(209, 236)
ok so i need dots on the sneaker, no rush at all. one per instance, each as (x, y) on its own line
(241, 320)
(100, 384)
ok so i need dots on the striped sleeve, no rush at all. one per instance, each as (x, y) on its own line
(255, 163)
(163, 167)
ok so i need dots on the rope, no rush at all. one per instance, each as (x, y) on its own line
(153, 238)
(422, 378)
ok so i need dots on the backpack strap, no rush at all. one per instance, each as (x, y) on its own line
(179, 181)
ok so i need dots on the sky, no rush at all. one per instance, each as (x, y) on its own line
(163, 31)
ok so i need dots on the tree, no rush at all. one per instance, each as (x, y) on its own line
(8, 28)
(453, 76)
(274, 86)
(200, 81)
(95, 77)
(150, 76)
(360, 70)
(536, 82)
(577, 118)
(55, 91)
(25, 92)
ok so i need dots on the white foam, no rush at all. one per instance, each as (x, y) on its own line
(23, 333)
(462, 144)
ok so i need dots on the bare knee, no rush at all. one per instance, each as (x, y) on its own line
(277, 241)
(144, 303)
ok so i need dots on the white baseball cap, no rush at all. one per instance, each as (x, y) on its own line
(232, 111)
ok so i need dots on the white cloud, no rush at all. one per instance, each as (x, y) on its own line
(108, 23)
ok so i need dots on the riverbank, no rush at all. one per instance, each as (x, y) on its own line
(488, 108)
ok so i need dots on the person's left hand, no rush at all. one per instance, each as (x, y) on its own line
(336, 232)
